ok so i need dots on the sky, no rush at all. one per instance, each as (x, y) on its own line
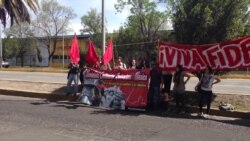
(114, 19)
(81, 7)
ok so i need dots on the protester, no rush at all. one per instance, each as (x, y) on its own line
(83, 68)
(133, 65)
(179, 87)
(208, 79)
(155, 87)
(97, 93)
(119, 64)
(73, 76)
(143, 64)
(167, 81)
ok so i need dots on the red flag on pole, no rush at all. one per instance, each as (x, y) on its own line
(74, 51)
(91, 56)
(107, 57)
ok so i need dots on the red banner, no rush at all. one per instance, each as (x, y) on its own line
(228, 55)
(132, 85)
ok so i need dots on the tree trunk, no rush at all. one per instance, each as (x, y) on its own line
(22, 60)
(53, 50)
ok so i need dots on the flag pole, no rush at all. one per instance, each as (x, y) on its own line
(103, 27)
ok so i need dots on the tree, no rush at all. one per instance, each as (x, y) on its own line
(203, 22)
(18, 43)
(51, 21)
(146, 20)
(17, 10)
(92, 24)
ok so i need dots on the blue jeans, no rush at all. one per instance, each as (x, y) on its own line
(154, 97)
(72, 77)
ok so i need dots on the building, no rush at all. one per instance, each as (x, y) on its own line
(38, 54)
(57, 59)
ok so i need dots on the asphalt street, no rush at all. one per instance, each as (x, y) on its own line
(228, 86)
(28, 119)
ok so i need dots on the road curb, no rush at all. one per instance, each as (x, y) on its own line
(58, 97)
(50, 97)
(216, 112)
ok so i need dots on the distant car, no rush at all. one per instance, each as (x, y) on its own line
(5, 64)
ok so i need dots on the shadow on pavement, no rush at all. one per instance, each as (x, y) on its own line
(138, 112)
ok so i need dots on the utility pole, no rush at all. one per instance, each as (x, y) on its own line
(1, 47)
(63, 45)
(103, 27)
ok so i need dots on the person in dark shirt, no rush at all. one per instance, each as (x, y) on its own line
(73, 76)
(155, 87)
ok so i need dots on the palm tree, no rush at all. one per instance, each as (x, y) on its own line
(17, 10)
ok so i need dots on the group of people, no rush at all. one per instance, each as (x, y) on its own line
(76, 71)
(161, 83)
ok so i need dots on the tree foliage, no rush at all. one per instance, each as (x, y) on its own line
(18, 42)
(17, 10)
(203, 21)
(145, 20)
(91, 22)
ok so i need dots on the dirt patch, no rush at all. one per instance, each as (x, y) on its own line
(241, 102)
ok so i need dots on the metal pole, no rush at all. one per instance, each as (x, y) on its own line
(103, 27)
(63, 45)
(1, 47)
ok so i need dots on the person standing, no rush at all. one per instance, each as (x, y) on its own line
(73, 76)
(133, 65)
(119, 64)
(208, 79)
(154, 88)
(167, 81)
(179, 87)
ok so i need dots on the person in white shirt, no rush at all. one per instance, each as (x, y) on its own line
(120, 65)
(208, 79)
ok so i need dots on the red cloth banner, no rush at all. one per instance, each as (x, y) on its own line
(74, 51)
(132, 84)
(91, 56)
(107, 57)
(228, 55)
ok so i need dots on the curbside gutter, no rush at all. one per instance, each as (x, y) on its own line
(58, 97)
(216, 112)
(50, 97)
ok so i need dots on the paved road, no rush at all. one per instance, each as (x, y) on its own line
(27, 119)
(229, 86)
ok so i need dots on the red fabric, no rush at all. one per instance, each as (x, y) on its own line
(228, 55)
(74, 51)
(107, 57)
(132, 83)
(91, 56)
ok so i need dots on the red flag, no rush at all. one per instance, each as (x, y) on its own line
(74, 51)
(91, 56)
(107, 57)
